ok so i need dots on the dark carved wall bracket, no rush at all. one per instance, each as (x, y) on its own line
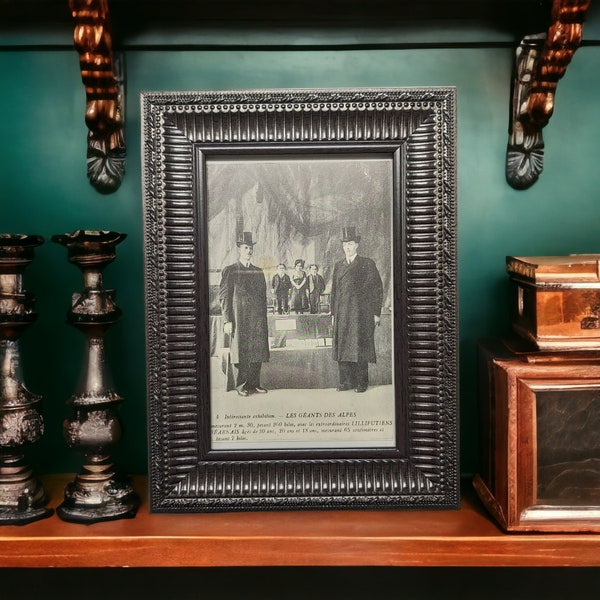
(103, 75)
(541, 60)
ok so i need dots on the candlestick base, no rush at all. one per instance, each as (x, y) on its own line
(22, 497)
(88, 501)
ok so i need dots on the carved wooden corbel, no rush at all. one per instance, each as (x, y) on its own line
(541, 60)
(103, 77)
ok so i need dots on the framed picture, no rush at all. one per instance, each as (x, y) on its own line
(301, 299)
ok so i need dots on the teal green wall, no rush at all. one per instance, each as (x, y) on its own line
(44, 190)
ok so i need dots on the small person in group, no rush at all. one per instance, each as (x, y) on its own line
(280, 287)
(299, 299)
(316, 286)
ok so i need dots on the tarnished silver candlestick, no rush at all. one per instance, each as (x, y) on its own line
(98, 493)
(22, 497)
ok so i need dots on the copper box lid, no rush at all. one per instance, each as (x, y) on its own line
(555, 270)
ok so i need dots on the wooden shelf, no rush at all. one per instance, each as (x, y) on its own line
(466, 537)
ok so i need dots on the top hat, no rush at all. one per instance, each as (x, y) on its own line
(245, 238)
(349, 235)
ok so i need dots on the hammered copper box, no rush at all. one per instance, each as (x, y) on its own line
(540, 438)
(555, 300)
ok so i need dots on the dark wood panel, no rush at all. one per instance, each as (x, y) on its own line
(336, 10)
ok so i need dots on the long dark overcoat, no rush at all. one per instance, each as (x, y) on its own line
(356, 297)
(243, 299)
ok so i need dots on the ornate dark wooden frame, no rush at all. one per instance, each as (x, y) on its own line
(416, 127)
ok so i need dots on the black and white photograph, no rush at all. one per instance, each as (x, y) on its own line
(301, 279)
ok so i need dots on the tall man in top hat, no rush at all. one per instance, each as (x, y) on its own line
(356, 299)
(243, 299)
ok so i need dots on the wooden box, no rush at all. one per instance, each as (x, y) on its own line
(540, 438)
(555, 300)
